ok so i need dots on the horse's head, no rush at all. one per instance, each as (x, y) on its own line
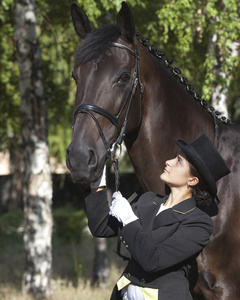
(106, 72)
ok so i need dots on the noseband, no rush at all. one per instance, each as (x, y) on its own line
(92, 108)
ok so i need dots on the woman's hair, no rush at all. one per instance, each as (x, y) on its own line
(200, 192)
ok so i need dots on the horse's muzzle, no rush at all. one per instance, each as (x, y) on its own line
(83, 165)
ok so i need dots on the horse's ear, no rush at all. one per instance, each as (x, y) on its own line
(82, 25)
(125, 22)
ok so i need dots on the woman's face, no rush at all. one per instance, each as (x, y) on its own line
(176, 172)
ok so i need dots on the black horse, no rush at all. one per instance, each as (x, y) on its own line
(127, 90)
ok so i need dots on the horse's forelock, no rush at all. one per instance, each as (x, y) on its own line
(96, 43)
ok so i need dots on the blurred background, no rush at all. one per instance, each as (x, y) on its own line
(46, 249)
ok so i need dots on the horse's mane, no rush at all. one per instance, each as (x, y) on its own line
(176, 72)
(96, 43)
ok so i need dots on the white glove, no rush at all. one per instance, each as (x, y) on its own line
(121, 209)
(101, 181)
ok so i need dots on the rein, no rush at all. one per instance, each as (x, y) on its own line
(92, 108)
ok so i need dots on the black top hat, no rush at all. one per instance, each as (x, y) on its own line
(203, 155)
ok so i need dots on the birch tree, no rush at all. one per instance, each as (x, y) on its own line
(223, 51)
(37, 187)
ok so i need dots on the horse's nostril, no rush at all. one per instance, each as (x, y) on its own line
(68, 150)
(92, 160)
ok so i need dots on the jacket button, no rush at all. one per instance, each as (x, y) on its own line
(128, 275)
(143, 281)
(126, 246)
(120, 237)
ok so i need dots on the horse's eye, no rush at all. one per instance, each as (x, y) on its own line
(124, 78)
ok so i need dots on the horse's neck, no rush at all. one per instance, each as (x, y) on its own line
(169, 113)
(169, 110)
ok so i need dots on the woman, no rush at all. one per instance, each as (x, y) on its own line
(162, 234)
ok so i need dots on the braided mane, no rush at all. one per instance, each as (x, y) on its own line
(176, 72)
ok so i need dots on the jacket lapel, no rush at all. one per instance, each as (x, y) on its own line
(148, 208)
(166, 217)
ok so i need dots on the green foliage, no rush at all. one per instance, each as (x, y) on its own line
(5, 6)
(193, 24)
(11, 225)
(223, 21)
(234, 96)
(9, 94)
(11, 220)
(69, 223)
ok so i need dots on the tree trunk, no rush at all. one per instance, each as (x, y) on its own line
(37, 186)
(101, 265)
(220, 92)
(101, 262)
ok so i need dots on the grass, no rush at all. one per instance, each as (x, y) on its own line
(85, 291)
(66, 290)
(68, 283)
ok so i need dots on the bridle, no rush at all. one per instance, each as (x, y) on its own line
(92, 108)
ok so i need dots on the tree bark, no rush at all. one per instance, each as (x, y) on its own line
(101, 264)
(37, 186)
(220, 92)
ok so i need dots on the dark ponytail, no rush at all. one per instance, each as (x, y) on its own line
(200, 192)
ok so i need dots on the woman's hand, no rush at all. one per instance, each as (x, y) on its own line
(121, 209)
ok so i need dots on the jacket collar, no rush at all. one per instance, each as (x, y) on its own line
(173, 214)
(185, 206)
